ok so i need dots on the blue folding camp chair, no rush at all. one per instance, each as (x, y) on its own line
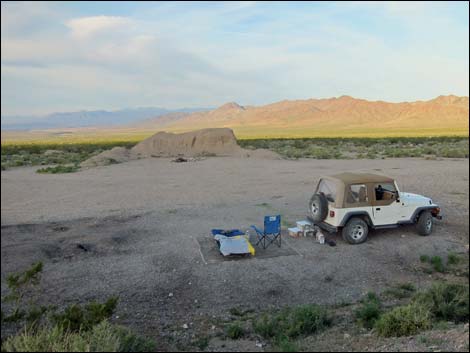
(271, 233)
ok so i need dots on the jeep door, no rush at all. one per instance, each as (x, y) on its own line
(386, 209)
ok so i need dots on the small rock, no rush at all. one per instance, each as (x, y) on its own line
(117, 316)
(170, 295)
(185, 326)
(347, 336)
(259, 345)
(403, 235)
(195, 300)
(213, 327)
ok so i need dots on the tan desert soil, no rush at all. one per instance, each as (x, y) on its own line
(142, 223)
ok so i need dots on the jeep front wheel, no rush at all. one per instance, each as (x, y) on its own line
(355, 231)
(424, 225)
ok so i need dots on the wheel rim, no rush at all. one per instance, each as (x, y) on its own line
(429, 224)
(315, 208)
(358, 232)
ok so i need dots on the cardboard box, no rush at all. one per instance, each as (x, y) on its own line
(295, 232)
(304, 226)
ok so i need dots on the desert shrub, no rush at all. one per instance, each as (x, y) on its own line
(424, 258)
(103, 337)
(453, 258)
(202, 343)
(19, 284)
(449, 302)
(364, 147)
(292, 322)
(130, 342)
(437, 264)
(404, 321)
(401, 291)
(35, 154)
(59, 169)
(284, 344)
(75, 317)
(234, 331)
(369, 311)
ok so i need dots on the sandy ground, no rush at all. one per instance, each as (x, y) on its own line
(144, 225)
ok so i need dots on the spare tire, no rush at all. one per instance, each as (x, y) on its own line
(318, 207)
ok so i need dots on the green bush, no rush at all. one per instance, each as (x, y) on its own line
(424, 258)
(437, 264)
(322, 148)
(284, 344)
(446, 301)
(58, 169)
(235, 331)
(453, 258)
(369, 311)
(19, 284)
(76, 318)
(401, 291)
(292, 322)
(103, 337)
(404, 321)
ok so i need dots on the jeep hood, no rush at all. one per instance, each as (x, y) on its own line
(409, 198)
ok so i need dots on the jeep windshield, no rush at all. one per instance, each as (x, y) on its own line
(328, 188)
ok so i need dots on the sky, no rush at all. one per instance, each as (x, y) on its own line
(68, 56)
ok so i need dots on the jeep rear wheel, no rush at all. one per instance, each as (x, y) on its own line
(318, 207)
(425, 224)
(355, 231)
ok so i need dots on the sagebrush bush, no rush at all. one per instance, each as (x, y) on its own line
(293, 322)
(102, 337)
(328, 148)
(453, 258)
(234, 331)
(369, 311)
(404, 321)
(76, 317)
(449, 302)
(437, 264)
(59, 169)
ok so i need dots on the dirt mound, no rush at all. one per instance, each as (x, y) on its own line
(113, 156)
(200, 143)
(210, 142)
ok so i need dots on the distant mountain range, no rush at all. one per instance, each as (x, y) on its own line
(87, 118)
(331, 117)
(345, 115)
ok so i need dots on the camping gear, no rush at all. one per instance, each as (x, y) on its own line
(271, 233)
(295, 232)
(233, 242)
(227, 233)
(306, 227)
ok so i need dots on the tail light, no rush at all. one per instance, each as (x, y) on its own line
(332, 213)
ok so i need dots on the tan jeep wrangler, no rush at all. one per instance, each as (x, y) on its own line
(356, 202)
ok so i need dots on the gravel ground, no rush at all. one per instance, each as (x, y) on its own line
(139, 226)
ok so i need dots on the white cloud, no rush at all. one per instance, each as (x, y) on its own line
(86, 27)
(203, 54)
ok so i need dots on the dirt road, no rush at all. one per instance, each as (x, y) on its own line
(143, 232)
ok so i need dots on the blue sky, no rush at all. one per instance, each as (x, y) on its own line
(65, 56)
